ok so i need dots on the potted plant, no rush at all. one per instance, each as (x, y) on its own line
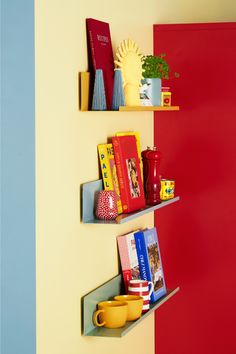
(155, 68)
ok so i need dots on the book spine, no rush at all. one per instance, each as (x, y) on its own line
(120, 174)
(105, 167)
(114, 177)
(143, 258)
(92, 50)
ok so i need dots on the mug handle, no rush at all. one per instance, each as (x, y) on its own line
(151, 287)
(95, 318)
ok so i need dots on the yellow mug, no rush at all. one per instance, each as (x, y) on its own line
(111, 314)
(135, 305)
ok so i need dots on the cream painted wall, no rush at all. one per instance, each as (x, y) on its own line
(72, 258)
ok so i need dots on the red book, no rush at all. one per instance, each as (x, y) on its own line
(128, 173)
(100, 50)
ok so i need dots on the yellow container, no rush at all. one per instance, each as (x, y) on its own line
(166, 98)
(167, 189)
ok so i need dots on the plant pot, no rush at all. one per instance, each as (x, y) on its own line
(151, 89)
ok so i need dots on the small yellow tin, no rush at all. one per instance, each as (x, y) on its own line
(167, 189)
(165, 96)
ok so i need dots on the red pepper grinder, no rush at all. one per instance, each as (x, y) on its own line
(143, 154)
(151, 165)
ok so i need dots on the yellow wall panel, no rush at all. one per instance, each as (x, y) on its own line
(72, 258)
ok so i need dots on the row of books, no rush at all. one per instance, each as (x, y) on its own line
(140, 258)
(121, 168)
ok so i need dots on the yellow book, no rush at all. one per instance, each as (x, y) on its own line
(137, 137)
(108, 168)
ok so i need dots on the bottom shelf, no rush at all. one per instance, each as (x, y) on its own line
(108, 291)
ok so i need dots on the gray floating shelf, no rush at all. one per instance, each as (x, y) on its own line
(90, 190)
(106, 292)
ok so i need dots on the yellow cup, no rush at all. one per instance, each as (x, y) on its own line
(111, 314)
(135, 305)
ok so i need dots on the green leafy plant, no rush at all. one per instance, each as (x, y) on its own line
(156, 66)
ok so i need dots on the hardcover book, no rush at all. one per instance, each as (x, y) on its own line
(128, 173)
(108, 168)
(149, 259)
(137, 137)
(128, 258)
(101, 54)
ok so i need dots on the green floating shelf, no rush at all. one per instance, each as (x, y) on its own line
(106, 292)
(89, 192)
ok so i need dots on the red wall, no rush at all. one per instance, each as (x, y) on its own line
(197, 234)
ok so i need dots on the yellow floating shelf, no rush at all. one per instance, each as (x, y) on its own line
(148, 108)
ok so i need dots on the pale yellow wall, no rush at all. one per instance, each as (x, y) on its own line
(72, 258)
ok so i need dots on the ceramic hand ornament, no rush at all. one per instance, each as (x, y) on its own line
(129, 60)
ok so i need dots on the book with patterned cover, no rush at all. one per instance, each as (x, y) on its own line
(101, 54)
(108, 169)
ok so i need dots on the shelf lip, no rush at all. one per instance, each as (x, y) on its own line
(120, 332)
(138, 109)
(127, 217)
(148, 108)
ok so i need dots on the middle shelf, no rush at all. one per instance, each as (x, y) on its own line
(89, 192)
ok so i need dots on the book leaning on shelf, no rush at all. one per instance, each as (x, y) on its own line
(128, 173)
(101, 54)
(149, 259)
(128, 258)
(109, 174)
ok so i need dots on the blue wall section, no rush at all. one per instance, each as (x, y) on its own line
(18, 329)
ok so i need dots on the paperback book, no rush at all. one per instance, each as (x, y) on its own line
(149, 259)
(108, 168)
(128, 258)
(128, 173)
(101, 54)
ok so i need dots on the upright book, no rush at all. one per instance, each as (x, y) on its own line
(101, 54)
(137, 137)
(108, 168)
(128, 258)
(128, 173)
(149, 259)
